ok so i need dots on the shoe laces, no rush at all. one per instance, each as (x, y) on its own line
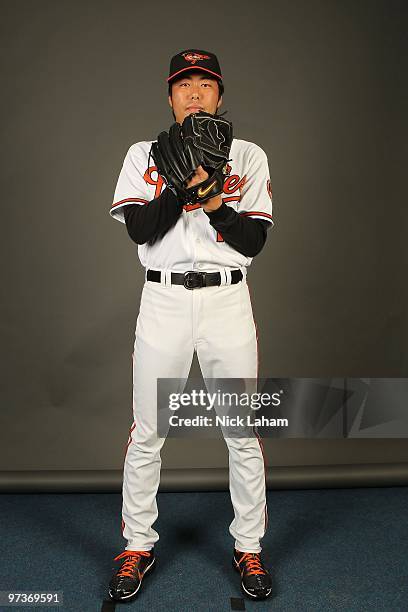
(253, 563)
(132, 559)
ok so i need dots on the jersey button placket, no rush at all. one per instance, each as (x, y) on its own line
(196, 301)
(191, 240)
(194, 228)
(198, 253)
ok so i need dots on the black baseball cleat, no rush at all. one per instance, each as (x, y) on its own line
(128, 579)
(256, 582)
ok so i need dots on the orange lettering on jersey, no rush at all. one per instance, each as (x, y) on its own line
(158, 182)
(219, 237)
(233, 182)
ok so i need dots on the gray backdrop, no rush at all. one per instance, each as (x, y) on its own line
(320, 86)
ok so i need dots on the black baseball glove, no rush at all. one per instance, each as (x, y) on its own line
(202, 140)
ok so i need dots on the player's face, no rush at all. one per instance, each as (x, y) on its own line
(192, 93)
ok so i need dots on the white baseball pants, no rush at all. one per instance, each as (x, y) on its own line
(173, 322)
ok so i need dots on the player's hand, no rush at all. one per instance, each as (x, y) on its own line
(199, 176)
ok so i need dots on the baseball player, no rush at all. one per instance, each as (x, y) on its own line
(195, 299)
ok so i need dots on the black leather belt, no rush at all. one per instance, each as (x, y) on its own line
(194, 280)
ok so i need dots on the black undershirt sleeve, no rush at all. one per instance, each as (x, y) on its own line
(150, 222)
(245, 235)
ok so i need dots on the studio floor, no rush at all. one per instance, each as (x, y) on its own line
(327, 549)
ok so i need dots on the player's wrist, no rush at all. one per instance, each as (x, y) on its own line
(212, 204)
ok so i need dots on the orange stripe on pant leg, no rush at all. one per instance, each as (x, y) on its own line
(263, 455)
(132, 427)
(254, 428)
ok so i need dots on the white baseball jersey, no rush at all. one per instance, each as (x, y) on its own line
(192, 243)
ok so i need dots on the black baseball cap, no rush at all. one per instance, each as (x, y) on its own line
(194, 59)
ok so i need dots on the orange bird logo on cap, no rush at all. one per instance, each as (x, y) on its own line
(194, 57)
